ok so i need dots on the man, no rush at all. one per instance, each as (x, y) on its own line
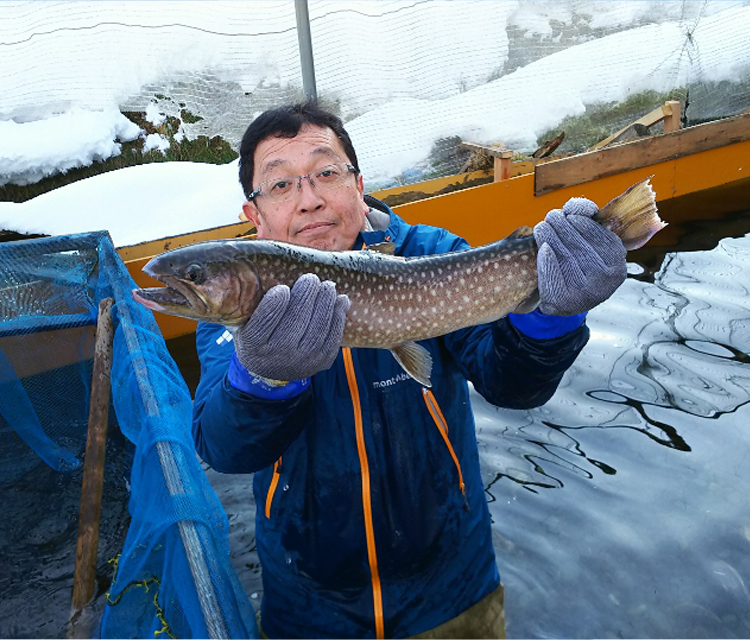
(372, 518)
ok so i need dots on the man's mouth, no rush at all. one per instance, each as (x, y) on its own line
(315, 226)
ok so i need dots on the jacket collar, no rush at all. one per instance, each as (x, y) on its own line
(394, 230)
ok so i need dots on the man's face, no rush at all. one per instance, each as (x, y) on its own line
(311, 216)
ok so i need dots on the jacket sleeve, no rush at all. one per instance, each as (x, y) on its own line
(236, 432)
(506, 366)
(510, 369)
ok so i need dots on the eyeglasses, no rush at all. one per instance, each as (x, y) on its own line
(326, 178)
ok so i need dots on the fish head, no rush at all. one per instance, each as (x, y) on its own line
(206, 282)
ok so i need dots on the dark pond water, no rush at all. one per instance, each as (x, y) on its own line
(621, 508)
(38, 537)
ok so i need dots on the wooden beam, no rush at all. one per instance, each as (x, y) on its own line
(593, 165)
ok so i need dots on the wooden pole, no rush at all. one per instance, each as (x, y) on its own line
(502, 165)
(671, 116)
(93, 465)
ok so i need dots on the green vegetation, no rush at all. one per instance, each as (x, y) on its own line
(214, 150)
(601, 120)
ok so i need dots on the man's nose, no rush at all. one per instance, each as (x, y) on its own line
(309, 194)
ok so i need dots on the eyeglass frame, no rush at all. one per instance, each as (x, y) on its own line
(349, 167)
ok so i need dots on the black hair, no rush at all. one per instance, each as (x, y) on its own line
(286, 122)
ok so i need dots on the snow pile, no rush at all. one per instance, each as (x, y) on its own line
(34, 150)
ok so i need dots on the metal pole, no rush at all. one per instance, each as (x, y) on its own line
(208, 598)
(305, 49)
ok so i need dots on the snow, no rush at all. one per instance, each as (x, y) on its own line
(394, 133)
(135, 204)
(33, 150)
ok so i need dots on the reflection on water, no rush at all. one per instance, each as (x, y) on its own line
(621, 508)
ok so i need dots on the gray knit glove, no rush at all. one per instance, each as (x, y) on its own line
(295, 333)
(580, 263)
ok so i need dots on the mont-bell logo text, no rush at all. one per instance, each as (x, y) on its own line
(380, 384)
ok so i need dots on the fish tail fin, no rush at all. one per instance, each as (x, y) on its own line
(632, 215)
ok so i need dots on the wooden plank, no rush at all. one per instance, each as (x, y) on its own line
(487, 213)
(594, 165)
(495, 150)
(666, 112)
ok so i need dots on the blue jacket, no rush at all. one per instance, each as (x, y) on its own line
(371, 509)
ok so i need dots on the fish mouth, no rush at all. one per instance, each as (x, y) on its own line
(176, 297)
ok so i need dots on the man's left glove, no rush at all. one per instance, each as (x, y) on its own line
(580, 263)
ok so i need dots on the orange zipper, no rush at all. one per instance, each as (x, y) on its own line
(377, 595)
(272, 487)
(442, 425)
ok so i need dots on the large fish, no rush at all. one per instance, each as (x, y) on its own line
(395, 301)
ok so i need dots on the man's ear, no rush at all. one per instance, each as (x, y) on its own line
(250, 212)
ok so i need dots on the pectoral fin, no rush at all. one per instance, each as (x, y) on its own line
(527, 305)
(415, 360)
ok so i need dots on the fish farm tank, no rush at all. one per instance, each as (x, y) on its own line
(163, 557)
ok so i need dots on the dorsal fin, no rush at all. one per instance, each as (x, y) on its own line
(388, 248)
(521, 232)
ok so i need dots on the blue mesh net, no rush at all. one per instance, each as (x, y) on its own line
(173, 576)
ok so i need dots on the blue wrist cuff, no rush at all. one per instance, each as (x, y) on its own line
(540, 326)
(242, 380)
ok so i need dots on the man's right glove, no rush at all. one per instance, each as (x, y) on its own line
(293, 334)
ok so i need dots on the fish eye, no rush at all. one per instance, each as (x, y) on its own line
(193, 272)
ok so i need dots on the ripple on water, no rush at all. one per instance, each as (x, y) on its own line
(602, 532)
